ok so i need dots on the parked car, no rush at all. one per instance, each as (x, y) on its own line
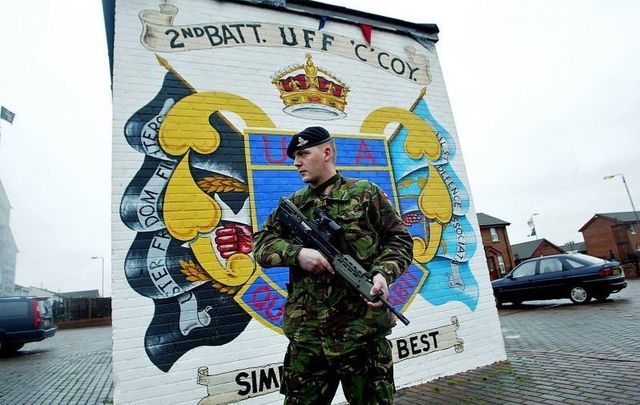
(577, 276)
(23, 320)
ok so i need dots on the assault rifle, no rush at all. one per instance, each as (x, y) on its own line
(316, 234)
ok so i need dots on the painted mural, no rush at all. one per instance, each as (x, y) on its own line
(206, 182)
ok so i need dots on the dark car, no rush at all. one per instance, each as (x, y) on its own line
(24, 320)
(575, 276)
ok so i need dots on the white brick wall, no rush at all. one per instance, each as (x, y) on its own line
(246, 71)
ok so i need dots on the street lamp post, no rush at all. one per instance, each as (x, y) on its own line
(635, 214)
(102, 260)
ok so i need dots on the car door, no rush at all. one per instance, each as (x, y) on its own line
(550, 279)
(576, 272)
(15, 320)
(518, 284)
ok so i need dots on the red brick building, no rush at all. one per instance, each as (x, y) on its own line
(535, 248)
(615, 231)
(497, 248)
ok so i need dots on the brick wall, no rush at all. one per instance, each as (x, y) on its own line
(199, 131)
(546, 249)
(599, 238)
(502, 245)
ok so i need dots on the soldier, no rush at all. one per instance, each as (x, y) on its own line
(334, 334)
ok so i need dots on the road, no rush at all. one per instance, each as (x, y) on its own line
(72, 367)
(558, 353)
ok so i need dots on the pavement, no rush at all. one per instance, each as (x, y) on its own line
(72, 367)
(558, 353)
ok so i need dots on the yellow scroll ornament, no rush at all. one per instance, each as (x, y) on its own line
(434, 200)
(190, 213)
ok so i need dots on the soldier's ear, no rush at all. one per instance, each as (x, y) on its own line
(327, 153)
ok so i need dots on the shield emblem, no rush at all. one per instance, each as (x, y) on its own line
(271, 175)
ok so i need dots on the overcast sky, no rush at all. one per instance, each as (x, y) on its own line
(545, 95)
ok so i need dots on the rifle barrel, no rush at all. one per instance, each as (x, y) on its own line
(393, 309)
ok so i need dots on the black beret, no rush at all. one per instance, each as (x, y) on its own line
(311, 136)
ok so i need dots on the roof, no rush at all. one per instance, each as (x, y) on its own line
(622, 216)
(18, 287)
(571, 246)
(524, 250)
(488, 220)
(42, 289)
(626, 217)
(80, 294)
(347, 15)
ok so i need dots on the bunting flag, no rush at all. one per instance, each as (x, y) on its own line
(323, 20)
(7, 115)
(366, 31)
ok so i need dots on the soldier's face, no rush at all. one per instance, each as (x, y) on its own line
(313, 165)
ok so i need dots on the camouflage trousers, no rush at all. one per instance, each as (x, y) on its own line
(366, 374)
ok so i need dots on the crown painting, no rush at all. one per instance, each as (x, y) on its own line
(206, 99)
(311, 92)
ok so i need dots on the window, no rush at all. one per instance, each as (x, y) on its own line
(550, 265)
(574, 263)
(16, 308)
(525, 269)
(501, 264)
(494, 235)
(44, 307)
(588, 259)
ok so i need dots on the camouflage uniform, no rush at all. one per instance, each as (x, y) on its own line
(334, 335)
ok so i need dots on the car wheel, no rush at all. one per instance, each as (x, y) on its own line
(8, 348)
(579, 295)
(498, 302)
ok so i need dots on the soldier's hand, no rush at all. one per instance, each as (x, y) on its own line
(312, 261)
(379, 284)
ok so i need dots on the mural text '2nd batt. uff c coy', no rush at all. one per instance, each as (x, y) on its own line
(213, 165)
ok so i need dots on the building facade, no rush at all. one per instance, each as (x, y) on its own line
(497, 248)
(614, 232)
(21, 291)
(42, 292)
(8, 247)
(574, 247)
(206, 97)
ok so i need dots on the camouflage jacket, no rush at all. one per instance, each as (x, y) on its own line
(323, 310)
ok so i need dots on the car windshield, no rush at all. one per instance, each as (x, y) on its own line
(588, 259)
